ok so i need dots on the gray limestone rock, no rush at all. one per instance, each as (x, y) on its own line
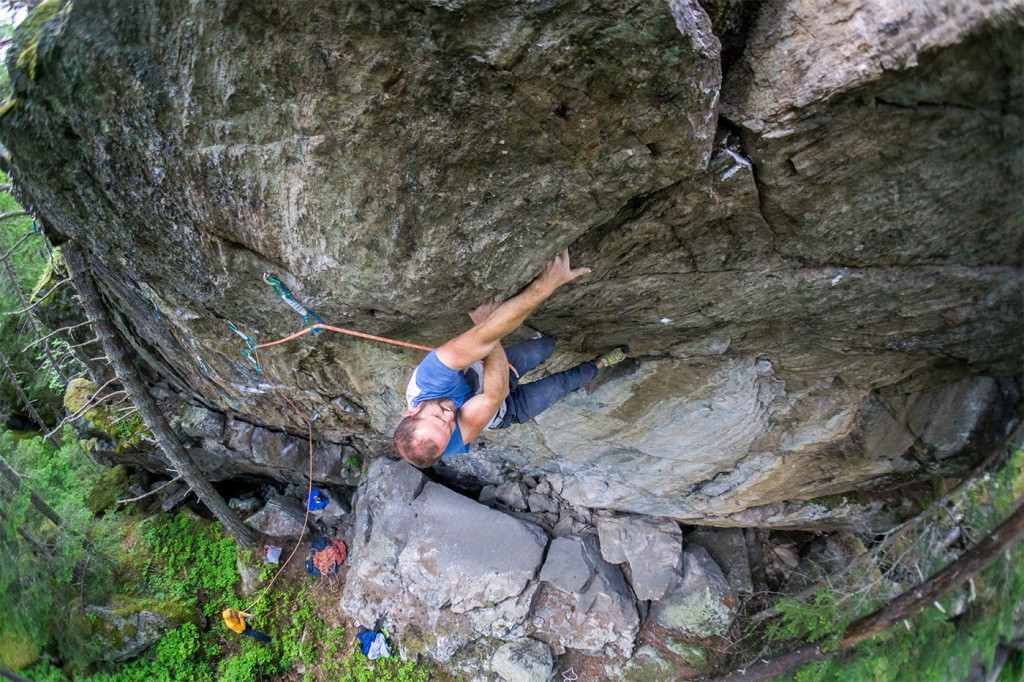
(199, 422)
(423, 554)
(279, 450)
(488, 495)
(525, 660)
(787, 250)
(566, 567)
(702, 603)
(652, 547)
(280, 517)
(541, 503)
(513, 495)
(728, 548)
(587, 605)
(246, 503)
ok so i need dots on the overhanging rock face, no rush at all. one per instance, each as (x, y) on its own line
(802, 258)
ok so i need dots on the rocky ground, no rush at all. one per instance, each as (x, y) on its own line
(511, 582)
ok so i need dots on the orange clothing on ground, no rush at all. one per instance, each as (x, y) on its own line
(235, 620)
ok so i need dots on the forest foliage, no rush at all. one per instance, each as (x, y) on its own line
(121, 558)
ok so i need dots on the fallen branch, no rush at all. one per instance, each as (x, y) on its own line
(18, 243)
(37, 502)
(905, 606)
(890, 537)
(11, 675)
(90, 403)
(41, 299)
(124, 367)
(53, 333)
(151, 492)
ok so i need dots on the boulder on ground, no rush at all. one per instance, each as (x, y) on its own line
(652, 547)
(525, 660)
(281, 517)
(130, 627)
(702, 603)
(584, 602)
(439, 568)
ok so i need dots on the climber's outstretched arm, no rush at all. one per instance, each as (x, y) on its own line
(478, 342)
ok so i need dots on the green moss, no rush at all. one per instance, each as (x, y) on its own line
(694, 654)
(76, 397)
(54, 272)
(109, 486)
(11, 105)
(30, 32)
(18, 651)
(648, 671)
(127, 431)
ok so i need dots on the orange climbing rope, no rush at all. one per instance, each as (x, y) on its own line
(350, 332)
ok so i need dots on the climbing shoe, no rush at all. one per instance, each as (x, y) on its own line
(614, 356)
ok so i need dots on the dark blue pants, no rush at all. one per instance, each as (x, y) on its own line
(249, 632)
(526, 401)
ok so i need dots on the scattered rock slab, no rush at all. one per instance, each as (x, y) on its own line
(512, 495)
(728, 548)
(702, 603)
(525, 660)
(281, 517)
(652, 547)
(595, 614)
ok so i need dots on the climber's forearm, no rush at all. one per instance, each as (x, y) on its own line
(495, 379)
(478, 342)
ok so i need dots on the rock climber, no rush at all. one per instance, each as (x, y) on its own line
(236, 620)
(466, 385)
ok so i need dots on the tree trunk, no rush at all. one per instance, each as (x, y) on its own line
(11, 675)
(21, 393)
(38, 548)
(37, 502)
(124, 367)
(905, 606)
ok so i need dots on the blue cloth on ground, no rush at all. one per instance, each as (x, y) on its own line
(373, 645)
(318, 500)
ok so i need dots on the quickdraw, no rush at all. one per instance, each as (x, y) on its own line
(290, 301)
(250, 351)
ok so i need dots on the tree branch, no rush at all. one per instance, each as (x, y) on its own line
(151, 492)
(907, 605)
(890, 537)
(37, 502)
(41, 299)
